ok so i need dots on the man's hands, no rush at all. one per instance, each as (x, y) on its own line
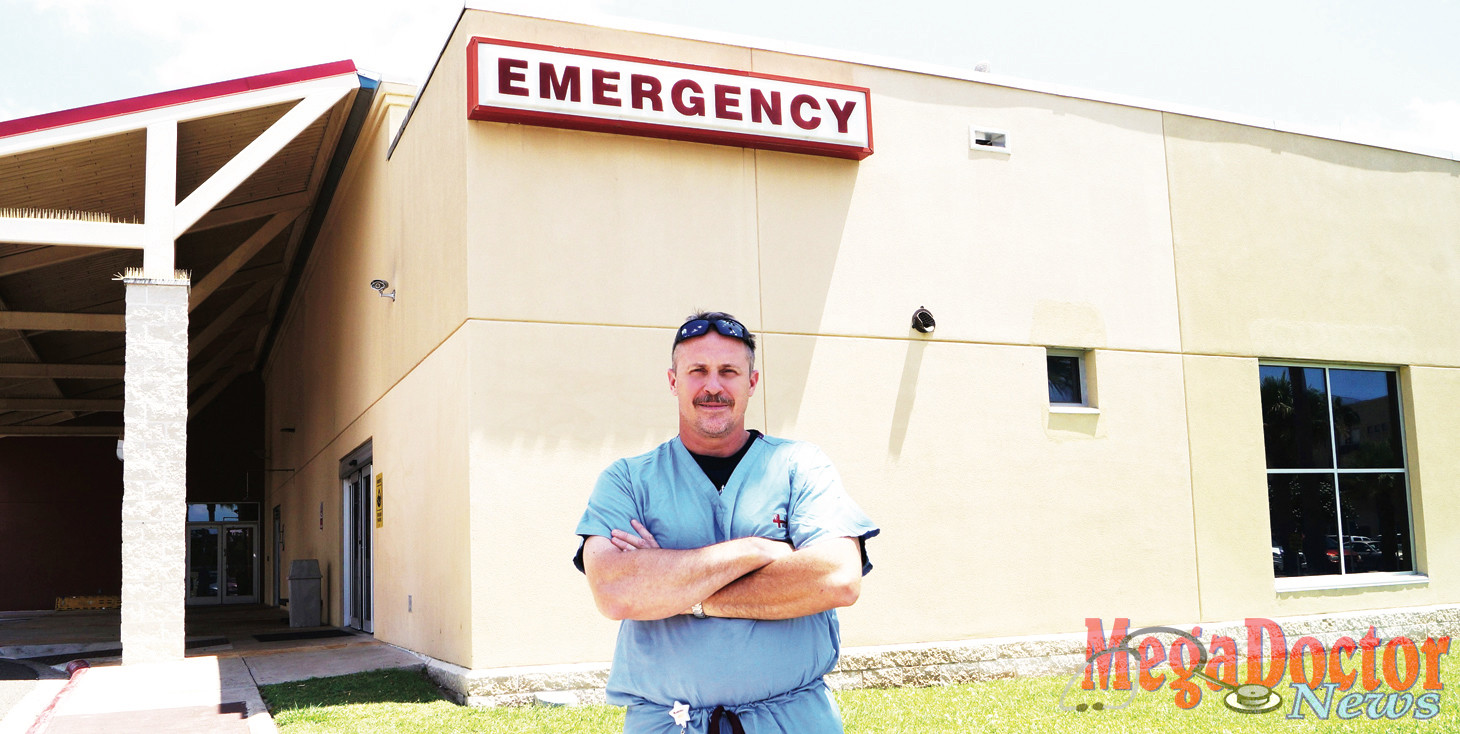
(818, 577)
(633, 578)
(645, 539)
(630, 542)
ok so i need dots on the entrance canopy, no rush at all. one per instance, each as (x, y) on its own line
(224, 181)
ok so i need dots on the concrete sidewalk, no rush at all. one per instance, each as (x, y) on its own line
(210, 694)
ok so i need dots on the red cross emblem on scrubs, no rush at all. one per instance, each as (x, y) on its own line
(778, 521)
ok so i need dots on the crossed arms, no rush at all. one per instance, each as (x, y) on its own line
(750, 578)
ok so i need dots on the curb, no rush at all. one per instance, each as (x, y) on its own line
(43, 721)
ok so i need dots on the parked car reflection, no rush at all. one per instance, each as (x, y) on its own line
(1279, 562)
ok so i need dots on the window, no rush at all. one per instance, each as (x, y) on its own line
(220, 512)
(1067, 382)
(1337, 489)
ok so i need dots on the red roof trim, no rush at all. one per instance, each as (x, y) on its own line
(63, 118)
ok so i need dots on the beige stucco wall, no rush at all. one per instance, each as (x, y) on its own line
(1065, 242)
(998, 518)
(541, 273)
(350, 367)
(551, 406)
(585, 249)
(1296, 248)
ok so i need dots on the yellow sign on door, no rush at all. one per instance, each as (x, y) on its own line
(379, 500)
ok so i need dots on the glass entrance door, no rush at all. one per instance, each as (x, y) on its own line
(240, 559)
(278, 551)
(223, 557)
(359, 524)
(203, 564)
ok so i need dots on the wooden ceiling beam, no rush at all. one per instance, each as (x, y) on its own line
(230, 354)
(69, 232)
(71, 431)
(28, 350)
(48, 405)
(64, 371)
(225, 319)
(49, 321)
(252, 210)
(218, 387)
(253, 157)
(240, 256)
(41, 257)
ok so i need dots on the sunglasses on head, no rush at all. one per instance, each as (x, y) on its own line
(698, 327)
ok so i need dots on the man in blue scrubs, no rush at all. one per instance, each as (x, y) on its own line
(725, 552)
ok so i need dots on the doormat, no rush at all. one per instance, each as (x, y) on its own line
(116, 653)
(312, 635)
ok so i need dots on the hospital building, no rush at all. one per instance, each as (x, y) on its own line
(1080, 356)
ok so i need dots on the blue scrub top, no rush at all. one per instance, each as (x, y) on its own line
(782, 489)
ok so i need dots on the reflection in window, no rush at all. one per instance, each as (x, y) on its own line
(203, 562)
(238, 561)
(1066, 371)
(1366, 419)
(1335, 516)
(223, 512)
(1295, 418)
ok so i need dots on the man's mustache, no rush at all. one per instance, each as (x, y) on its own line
(715, 399)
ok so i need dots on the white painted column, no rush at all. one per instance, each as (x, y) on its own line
(155, 425)
(154, 472)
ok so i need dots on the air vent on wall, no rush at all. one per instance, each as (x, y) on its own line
(986, 139)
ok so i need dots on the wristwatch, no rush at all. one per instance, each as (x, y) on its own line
(698, 610)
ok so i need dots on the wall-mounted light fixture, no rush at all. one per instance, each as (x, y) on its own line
(922, 320)
(380, 286)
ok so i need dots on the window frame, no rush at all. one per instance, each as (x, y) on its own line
(1345, 579)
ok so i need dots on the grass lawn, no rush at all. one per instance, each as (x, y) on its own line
(404, 701)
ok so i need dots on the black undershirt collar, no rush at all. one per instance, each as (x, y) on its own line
(719, 468)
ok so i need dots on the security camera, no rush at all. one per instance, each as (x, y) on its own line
(922, 320)
(380, 286)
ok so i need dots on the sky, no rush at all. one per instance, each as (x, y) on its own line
(1378, 72)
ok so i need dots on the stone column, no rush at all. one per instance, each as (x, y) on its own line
(154, 470)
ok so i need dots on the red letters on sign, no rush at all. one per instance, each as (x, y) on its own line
(646, 88)
(842, 114)
(725, 103)
(688, 105)
(604, 84)
(528, 83)
(550, 85)
(797, 103)
(762, 108)
(509, 74)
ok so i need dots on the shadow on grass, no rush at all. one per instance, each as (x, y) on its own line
(379, 686)
(401, 701)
